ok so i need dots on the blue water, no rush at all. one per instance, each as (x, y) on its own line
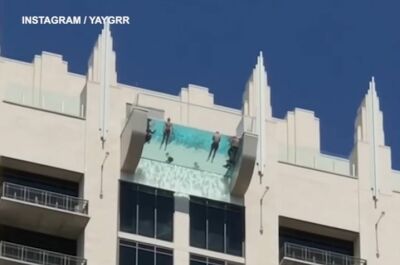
(187, 147)
(183, 165)
(189, 137)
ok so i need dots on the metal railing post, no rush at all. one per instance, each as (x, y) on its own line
(22, 253)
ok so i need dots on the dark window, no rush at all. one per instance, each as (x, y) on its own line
(38, 240)
(201, 260)
(133, 253)
(216, 229)
(198, 224)
(288, 235)
(127, 255)
(234, 231)
(41, 182)
(128, 205)
(216, 226)
(146, 211)
(145, 257)
(165, 216)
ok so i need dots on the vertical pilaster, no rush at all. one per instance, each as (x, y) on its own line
(181, 229)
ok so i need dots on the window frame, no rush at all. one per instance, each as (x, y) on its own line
(156, 193)
(226, 208)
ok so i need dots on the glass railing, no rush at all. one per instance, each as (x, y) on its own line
(317, 256)
(45, 198)
(48, 100)
(396, 180)
(31, 255)
(316, 160)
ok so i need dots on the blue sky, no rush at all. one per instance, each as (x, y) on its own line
(319, 54)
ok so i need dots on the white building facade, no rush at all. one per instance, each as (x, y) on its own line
(91, 174)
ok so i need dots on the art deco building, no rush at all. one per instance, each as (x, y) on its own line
(92, 174)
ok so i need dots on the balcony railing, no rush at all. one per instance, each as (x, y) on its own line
(317, 256)
(45, 198)
(37, 256)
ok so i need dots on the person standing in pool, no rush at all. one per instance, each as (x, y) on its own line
(166, 133)
(232, 152)
(149, 132)
(214, 146)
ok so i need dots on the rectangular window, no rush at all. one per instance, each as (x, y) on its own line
(133, 253)
(127, 255)
(217, 226)
(128, 209)
(234, 231)
(201, 260)
(146, 211)
(146, 202)
(198, 224)
(165, 216)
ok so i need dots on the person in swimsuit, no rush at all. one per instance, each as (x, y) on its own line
(232, 152)
(214, 146)
(149, 132)
(167, 133)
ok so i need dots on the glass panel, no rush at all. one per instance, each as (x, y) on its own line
(146, 214)
(215, 229)
(197, 260)
(187, 147)
(197, 225)
(145, 257)
(127, 255)
(215, 262)
(163, 259)
(184, 163)
(165, 214)
(128, 202)
(234, 232)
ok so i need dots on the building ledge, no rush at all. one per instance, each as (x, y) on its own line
(42, 211)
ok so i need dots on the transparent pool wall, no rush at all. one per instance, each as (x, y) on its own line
(183, 165)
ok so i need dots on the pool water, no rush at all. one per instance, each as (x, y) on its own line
(183, 165)
(187, 147)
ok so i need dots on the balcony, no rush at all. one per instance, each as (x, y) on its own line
(15, 254)
(42, 211)
(293, 254)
